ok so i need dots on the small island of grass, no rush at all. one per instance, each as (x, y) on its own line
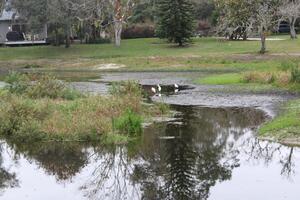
(42, 108)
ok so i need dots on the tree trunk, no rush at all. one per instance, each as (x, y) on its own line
(263, 42)
(56, 43)
(68, 41)
(118, 19)
(68, 35)
(292, 29)
(245, 35)
(118, 32)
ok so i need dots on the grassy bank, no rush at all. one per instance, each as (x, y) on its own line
(44, 109)
(286, 76)
(285, 127)
(153, 54)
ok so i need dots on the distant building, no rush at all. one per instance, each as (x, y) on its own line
(13, 29)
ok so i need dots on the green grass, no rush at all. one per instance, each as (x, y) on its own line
(223, 79)
(152, 54)
(286, 125)
(147, 47)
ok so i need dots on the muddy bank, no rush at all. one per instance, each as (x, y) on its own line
(189, 93)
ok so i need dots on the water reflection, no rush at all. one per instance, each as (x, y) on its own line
(7, 179)
(62, 160)
(183, 159)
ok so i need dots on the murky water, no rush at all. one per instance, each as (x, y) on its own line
(204, 153)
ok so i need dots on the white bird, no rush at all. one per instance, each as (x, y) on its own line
(176, 86)
(176, 91)
(158, 88)
(153, 90)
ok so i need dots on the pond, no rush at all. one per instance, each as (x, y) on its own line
(205, 152)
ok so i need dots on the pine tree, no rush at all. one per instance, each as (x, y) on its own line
(175, 21)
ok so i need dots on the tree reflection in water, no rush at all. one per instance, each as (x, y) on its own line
(182, 159)
(7, 179)
(201, 154)
(268, 151)
(63, 160)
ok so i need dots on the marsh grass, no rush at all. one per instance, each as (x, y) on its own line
(39, 86)
(129, 123)
(38, 109)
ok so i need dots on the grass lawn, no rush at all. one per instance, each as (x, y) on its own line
(154, 54)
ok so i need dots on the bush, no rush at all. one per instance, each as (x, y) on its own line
(139, 31)
(129, 123)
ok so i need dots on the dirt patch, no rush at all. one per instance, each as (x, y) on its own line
(109, 66)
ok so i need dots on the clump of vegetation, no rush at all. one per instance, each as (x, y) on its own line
(129, 123)
(39, 86)
(259, 77)
(37, 108)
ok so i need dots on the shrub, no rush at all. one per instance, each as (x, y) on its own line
(129, 123)
(139, 31)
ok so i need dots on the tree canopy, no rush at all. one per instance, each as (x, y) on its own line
(175, 20)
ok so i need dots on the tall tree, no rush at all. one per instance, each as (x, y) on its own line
(122, 12)
(248, 16)
(235, 18)
(290, 11)
(34, 12)
(265, 19)
(175, 21)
